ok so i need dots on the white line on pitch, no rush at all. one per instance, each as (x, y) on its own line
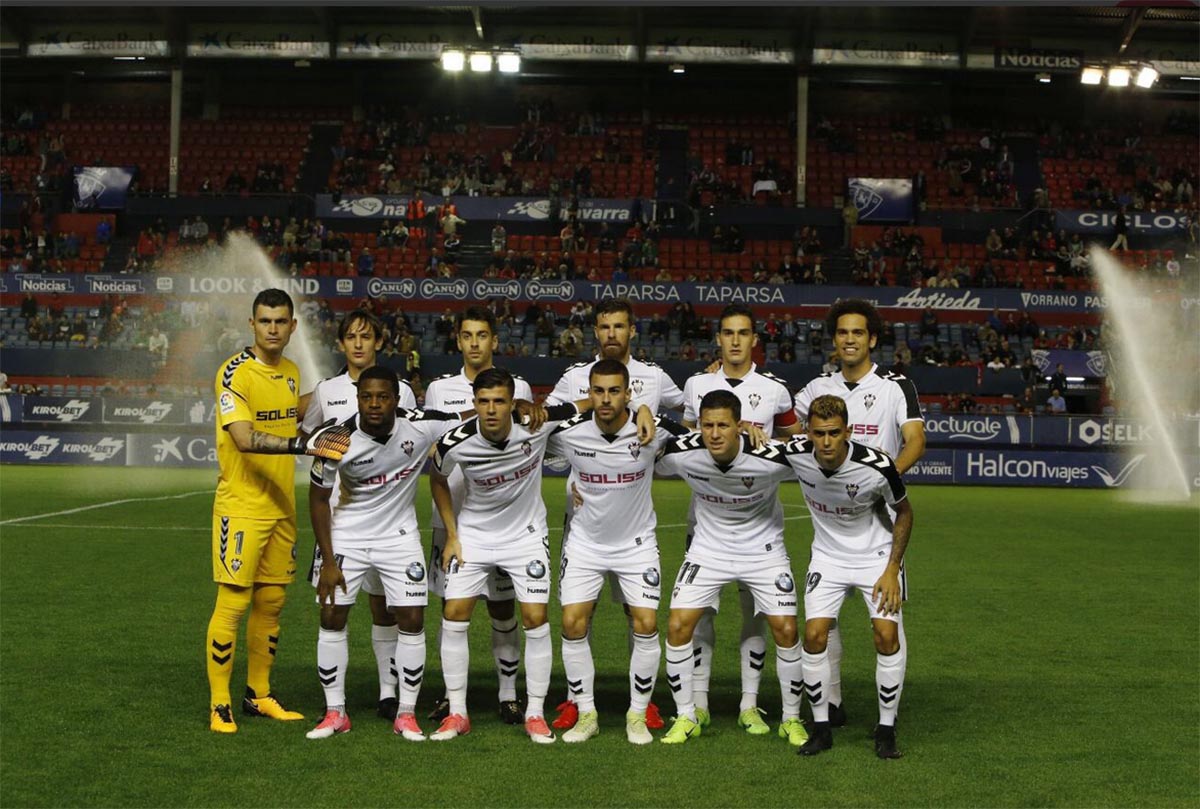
(207, 529)
(16, 520)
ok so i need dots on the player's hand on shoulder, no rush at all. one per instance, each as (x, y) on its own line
(647, 427)
(330, 441)
(758, 438)
(713, 367)
(530, 415)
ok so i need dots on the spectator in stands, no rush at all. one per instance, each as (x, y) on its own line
(450, 222)
(112, 329)
(737, 242)
(35, 329)
(499, 238)
(1058, 380)
(570, 342)
(849, 221)
(567, 237)
(831, 365)
(158, 345)
(1056, 404)
(1027, 404)
(996, 363)
(1121, 230)
(29, 306)
(366, 262)
(103, 232)
(929, 323)
(79, 328)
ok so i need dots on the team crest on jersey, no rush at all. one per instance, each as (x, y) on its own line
(407, 446)
(869, 400)
(636, 385)
(748, 481)
(784, 583)
(535, 569)
(754, 399)
(292, 385)
(650, 576)
(635, 449)
(526, 448)
(852, 490)
(416, 571)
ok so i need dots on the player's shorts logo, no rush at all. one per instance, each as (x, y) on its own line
(535, 569)
(407, 446)
(784, 583)
(650, 576)
(635, 449)
(869, 401)
(748, 481)
(813, 580)
(754, 399)
(416, 571)
(852, 490)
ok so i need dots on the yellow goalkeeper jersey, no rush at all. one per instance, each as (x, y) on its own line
(252, 484)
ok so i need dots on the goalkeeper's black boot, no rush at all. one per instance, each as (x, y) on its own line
(820, 739)
(885, 742)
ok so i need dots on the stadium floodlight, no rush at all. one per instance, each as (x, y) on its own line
(1043, 78)
(453, 61)
(1146, 77)
(1118, 76)
(678, 69)
(1091, 75)
(508, 62)
(481, 62)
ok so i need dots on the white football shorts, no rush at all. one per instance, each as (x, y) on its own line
(828, 583)
(769, 582)
(499, 586)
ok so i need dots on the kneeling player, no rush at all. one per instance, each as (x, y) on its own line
(738, 538)
(611, 534)
(373, 529)
(855, 545)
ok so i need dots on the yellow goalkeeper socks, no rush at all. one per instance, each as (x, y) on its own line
(262, 636)
(220, 643)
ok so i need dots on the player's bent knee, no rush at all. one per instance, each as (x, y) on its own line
(784, 631)
(408, 619)
(645, 622)
(458, 609)
(533, 615)
(574, 623)
(887, 637)
(380, 614)
(334, 618)
(502, 610)
(816, 637)
(680, 628)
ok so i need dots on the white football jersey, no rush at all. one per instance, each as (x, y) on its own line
(613, 474)
(377, 480)
(452, 393)
(503, 500)
(848, 525)
(649, 385)
(738, 513)
(879, 404)
(766, 400)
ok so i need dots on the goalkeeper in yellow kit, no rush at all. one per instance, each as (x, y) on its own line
(254, 514)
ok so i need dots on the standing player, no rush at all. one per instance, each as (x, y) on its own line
(649, 385)
(739, 538)
(477, 340)
(500, 524)
(360, 336)
(884, 414)
(612, 534)
(254, 512)
(766, 406)
(372, 530)
(855, 546)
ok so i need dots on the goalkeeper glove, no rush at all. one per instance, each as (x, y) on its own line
(329, 441)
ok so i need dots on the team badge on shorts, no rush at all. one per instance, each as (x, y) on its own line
(526, 448)
(416, 571)
(635, 449)
(869, 400)
(407, 446)
(650, 576)
(754, 399)
(852, 490)
(784, 583)
(748, 481)
(535, 569)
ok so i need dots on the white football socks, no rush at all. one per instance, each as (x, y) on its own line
(703, 640)
(506, 652)
(456, 663)
(333, 653)
(753, 648)
(539, 657)
(789, 668)
(680, 665)
(581, 672)
(816, 683)
(383, 641)
(410, 662)
(833, 648)
(643, 670)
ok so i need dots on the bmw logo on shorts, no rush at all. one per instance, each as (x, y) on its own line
(784, 583)
(535, 569)
(416, 571)
(650, 576)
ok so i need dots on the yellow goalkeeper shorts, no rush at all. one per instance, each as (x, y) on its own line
(248, 552)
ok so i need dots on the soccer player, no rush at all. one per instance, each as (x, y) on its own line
(884, 414)
(501, 523)
(254, 512)
(766, 407)
(360, 337)
(856, 545)
(612, 534)
(477, 340)
(738, 538)
(649, 385)
(372, 530)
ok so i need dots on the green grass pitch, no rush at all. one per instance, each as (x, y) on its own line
(1054, 661)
